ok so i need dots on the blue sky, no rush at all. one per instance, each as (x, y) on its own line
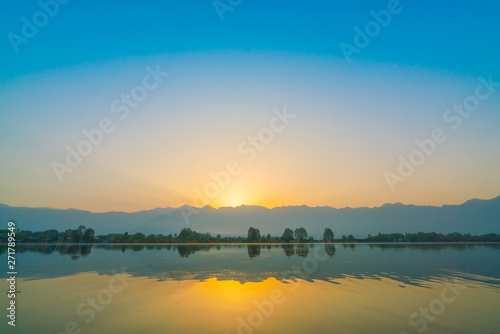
(461, 36)
(225, 78)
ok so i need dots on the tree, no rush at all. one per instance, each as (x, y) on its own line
(344, 238)
(185, 234)
(88, 236)
(51, 235)
(66, 234)
(23, 236)
(257, 234)
(328, 235)
(139, 236)
(253, 234)
(78, 234)
(74, 236)
(350, 238)
(300, 234)
(287, 235)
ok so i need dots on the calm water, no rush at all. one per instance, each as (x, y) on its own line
(320, 288)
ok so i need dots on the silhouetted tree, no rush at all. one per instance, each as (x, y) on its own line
(88, 235)
(253, 234)
(139, 236)
(300, 234)
(328, 235)
(187, 234)
(125, 238)
(287, 235)
(78, 234)
(51, 235)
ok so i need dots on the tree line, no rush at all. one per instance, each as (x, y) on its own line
(82, 234)
(433, 237)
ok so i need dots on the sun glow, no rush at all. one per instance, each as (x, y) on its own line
(233, 200)
(239, 295)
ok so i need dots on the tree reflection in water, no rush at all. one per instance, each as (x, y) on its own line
(289, 250)
(253, 250)
(330, 249)
(302, 250)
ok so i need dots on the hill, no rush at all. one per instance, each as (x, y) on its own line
(474, 216)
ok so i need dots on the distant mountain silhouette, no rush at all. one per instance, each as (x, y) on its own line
(474, 216)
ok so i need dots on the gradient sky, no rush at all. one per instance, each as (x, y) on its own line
(353, 119)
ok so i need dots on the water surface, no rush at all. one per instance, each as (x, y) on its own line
(257, 288)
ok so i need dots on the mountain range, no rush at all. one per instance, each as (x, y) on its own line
(475, 216)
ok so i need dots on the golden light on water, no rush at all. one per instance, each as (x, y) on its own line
(228, 297)
(222, 306)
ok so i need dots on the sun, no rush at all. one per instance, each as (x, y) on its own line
(233, 200)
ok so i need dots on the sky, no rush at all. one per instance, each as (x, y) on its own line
(129, 106)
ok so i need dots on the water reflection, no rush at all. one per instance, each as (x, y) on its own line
(408, 263)
(73, 250)
(268, 306)
(435, 247)
(350, 246)
(339, 283)
(289, 250)
(253, 251)
(301, 250)
(330, 249)
(187, 250)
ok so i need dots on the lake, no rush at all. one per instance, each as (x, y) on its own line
(255, 288)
